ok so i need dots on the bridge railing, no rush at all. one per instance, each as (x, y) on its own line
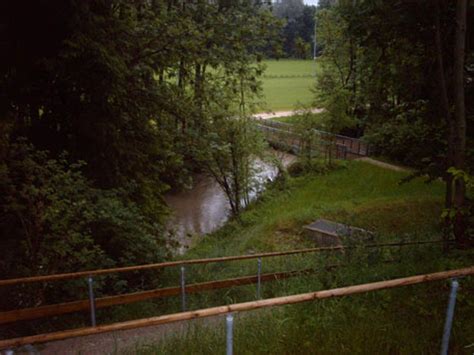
(354, 146)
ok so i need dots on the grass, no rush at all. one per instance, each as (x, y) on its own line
(345, 194)
(382, 322)
(287, 83)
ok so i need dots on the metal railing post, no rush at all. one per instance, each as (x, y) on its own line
(229, 334)
(259, 277)
(90, 282)
(449, 317)
(183, 290)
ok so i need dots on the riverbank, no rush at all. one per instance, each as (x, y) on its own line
(365, 196)
(357, 193)
(204, 208)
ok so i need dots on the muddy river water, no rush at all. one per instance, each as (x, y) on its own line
(205, 208)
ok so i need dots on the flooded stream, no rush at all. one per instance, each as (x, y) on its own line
(205, 208)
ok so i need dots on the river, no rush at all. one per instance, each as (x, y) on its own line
(204, 208)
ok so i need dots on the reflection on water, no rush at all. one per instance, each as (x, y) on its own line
(205, 208)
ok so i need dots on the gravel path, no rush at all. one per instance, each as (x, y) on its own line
(270, 114)
(384, 165)
(124, 341)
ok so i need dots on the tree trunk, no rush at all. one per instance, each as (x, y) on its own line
(460, 121)
(445, 110)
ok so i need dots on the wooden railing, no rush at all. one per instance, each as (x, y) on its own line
(82, 274)
(84, 305)
(238, 307)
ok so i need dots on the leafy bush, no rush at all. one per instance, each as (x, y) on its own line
(407, 138)
(53, 221)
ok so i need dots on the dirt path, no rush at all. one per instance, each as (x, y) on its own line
(384, 165)
(128, 341)
(125, 341)
(270, 114)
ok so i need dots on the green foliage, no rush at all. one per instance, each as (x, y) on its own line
(310, 141)
(54, 221)
(228, 154)
(467, 210)
(130, 89)
(379, 71)
(386, 74)
(407, 137)
(298, 31)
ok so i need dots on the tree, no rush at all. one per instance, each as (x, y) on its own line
(459, 143)
(129, 89)
(298, 32)
(389, 68)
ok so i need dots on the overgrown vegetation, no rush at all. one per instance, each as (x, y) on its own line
(106, 105)
(296, 37)
(401, 75)
(385, 319)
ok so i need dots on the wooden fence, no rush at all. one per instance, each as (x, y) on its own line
(83, 274)
(108, 301)
(238, 307)
(84, 305)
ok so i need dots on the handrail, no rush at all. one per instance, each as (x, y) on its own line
(238, 307)
(56, 309)
(80, 274)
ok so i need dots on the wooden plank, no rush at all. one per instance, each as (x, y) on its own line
(83, 305)
(238, 307)
(83, 274)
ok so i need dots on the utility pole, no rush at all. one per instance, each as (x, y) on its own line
(314, 49)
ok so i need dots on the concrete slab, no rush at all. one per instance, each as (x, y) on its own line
(327, 233)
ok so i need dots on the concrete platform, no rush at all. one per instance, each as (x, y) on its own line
(327, 233)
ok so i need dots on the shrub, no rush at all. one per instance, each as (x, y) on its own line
(53, 221)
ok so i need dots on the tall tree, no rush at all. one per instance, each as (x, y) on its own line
(403, 79)
(459, 148)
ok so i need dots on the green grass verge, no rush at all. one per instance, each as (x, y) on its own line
(381, 322)
(287, 83)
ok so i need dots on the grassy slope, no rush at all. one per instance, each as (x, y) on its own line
(381, 322)
(346, 195)
(284, 85)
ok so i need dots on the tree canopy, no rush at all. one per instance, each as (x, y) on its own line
(105, 106)
(397, 69)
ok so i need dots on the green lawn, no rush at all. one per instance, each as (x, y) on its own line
(287, 83)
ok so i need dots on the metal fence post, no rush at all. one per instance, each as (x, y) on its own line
(229, 334)
(90, 281)
(183, 290)
(449, 316)
(259, 277)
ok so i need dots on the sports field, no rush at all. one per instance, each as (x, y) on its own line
(287, 82)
